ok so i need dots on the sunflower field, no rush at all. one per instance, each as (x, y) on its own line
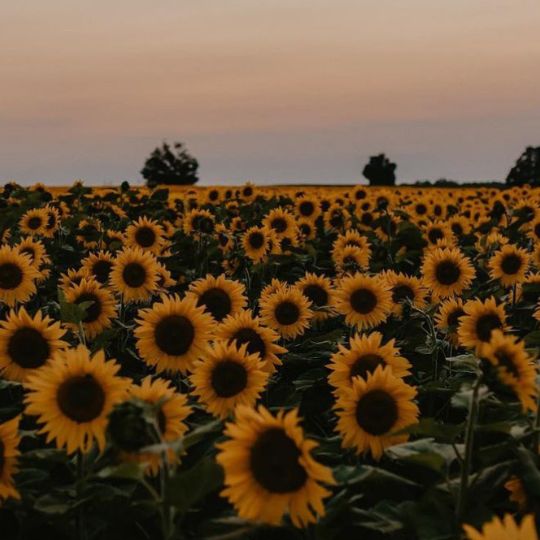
(255, 363)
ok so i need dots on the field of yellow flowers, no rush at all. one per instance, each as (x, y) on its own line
(255, 363)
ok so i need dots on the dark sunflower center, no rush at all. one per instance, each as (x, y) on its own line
(145, 237)
(223, 239)
(506, 360)
(363, 301)
(511, 264)
(421, 209)
(316, 294)
(161, 420)
(34, 223)
(366, 218)
(305, 229)
(101, 270)
(274, 462)
(217, 302)
(447, 272)
(279, 225)
(255, 344)
(486, 324)
(228, 378)
(454, 316)
(402, 292)
(434, 235)
(28, 348)
(336, 220)
(306, 208)
(213, 195)
(248, 192)
(93, 311)
(204, 224)
(376, 412)
(365, 365)
(51, 220)
(11, 276)
(81, 398)
(287, 313)
(256, 240)
(457, 228)
(537, 230)
(174, 334)
(134, 274)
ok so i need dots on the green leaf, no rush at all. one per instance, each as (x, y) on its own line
(127, 471)
(186, 488)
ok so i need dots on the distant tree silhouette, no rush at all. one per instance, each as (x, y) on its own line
(170, 166)
(527, 168)
(380, 171)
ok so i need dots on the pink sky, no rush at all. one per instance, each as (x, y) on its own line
(272, 91)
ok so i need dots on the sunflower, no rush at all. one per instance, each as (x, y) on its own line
(219, 296)
(286, 310)
(17, 276)
(362, 356)
(350, 259)
(269, 469)
(98, 266)
(73, 397)
(505, 529)
(308, 207)
(172, 412)
(448, 317)
(404, 289)
(255, 243)
(365, 301)
(198, 222)
(102, 310)
(165, 280)
(336, 219)
(173, 333)
(306, 229)
(480, 319)
(509, 265)
(224, 238)
(517, 493)
(9, 452)
(71, 277)
(89, 233)
(281, 222)
(145, 234)
(513, 365)
(134, 275)
(373, 409)
(53, 222)
(459, 225)
(438, 232)
(35, 250)
(27, 343)
(228, 376)
(33, 222)
(447, 272)
(320, 292)
(244, 329)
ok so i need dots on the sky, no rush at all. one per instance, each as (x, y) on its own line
(271, 91)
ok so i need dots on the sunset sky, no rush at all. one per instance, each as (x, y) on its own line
(268, 90)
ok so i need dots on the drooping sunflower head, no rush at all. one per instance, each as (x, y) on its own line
(513, 366)
(447, 272)
(374, 409)
(28, 343)
(173, 333)
(480, 319)
(99, 303)
(134, 275)
(244, 329)
(228, 376)
(98, 266)
(145, 234)
(220, 297)
(365, 301)
(73, 396)
(509, 265)
(364, 354)
(268, 459)
(287, 311)
(9, 453)
(17, 276)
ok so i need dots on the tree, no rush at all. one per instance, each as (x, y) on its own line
(171, 166)
(380, 171)
(527, 168)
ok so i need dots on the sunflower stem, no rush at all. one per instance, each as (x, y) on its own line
(469, 443)
(536, 428)
(81, 529)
